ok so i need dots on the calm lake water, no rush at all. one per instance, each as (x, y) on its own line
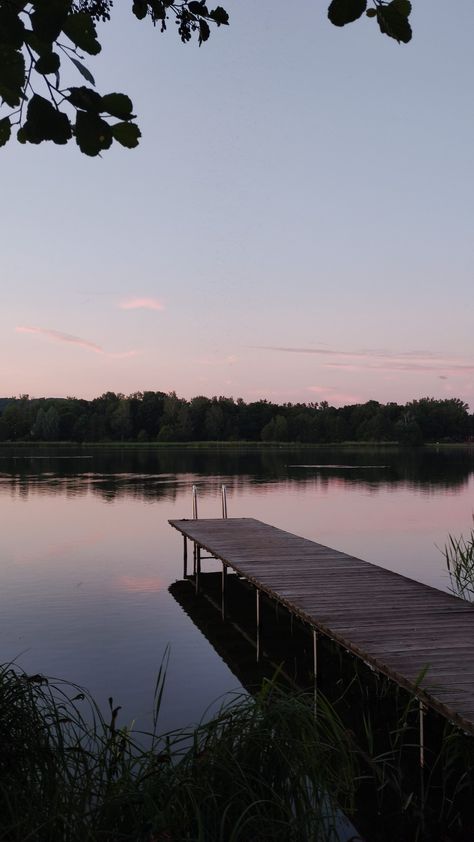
(87, 555)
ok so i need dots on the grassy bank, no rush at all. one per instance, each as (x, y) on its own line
(236, 445)
(199, 445)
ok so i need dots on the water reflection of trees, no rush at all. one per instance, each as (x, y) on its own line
(151, 474)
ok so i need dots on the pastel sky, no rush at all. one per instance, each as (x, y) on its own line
(296, 224)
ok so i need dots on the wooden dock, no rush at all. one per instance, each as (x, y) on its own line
(402, 628)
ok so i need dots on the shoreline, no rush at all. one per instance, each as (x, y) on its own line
(237, 445)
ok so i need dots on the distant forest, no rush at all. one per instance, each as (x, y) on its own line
(156, 416)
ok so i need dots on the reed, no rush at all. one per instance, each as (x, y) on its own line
(262, 769)
(459, 555)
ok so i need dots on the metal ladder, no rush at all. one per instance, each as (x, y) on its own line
(223, 502)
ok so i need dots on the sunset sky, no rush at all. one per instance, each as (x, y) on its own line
(297, 222)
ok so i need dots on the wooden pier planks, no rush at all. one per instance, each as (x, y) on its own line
(399, 626)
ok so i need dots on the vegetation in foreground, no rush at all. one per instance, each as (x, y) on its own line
(166, 418)
(459, 555)
(262, 769)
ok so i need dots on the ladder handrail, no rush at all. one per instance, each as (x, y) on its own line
(224, 501)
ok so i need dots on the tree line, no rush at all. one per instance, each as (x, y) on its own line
(157, 416)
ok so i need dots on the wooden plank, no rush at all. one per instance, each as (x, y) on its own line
(396, 624)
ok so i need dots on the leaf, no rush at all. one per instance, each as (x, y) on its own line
(219, 16)
(158, 10)
(12, 75)
(12, 28)
(83, 70)
(118, 105)
(197, 8)
(393, 24)
(140, 9)
(5, 131)
(38, 46)
(48, 63)
(204, 31)
(48, 18)
(86, 99)
(127, 134)
(45, 122)
(93, 134)
(403, 7)
(341, 12)
(80, 29)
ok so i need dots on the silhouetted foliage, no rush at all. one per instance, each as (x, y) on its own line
(42, 39)
(156, 416)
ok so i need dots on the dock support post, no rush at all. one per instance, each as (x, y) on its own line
(223, 583)
(185, 557)
(258, 623)
(315, 670)
(421, 714)
(198, 566)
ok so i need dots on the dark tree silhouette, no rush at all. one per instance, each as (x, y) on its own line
(155, 416)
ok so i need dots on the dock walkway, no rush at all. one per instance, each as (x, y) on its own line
(400, 627)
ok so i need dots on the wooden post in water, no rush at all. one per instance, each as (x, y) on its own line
(315, 670)
(223, 583)
(198, 566)
(185, 558)
(195, 517)
(421, 714)
(258, 623)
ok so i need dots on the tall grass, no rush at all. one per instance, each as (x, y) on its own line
(262, 769)
(459, 555)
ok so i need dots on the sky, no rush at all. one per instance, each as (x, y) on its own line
(296, 224)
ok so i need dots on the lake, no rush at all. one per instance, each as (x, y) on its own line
(87, 555)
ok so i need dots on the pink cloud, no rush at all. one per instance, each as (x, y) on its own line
(383, 360)
(363, 353)
(141, 304)
(434, 367)
(58, 336)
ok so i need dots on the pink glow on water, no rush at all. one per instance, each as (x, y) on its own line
(140, 584)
